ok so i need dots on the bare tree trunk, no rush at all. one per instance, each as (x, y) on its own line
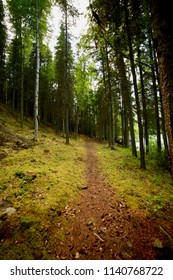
(165, 140)
(155, 99)
(22, 76)
(21, 97)
(37, 75)
(145, 116)
(67, 101)
(111, 121)
(161, 12)
(140, 127)
(126, 92)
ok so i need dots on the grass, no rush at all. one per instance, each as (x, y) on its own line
(40, 179)
(34, 180)
(147, 191)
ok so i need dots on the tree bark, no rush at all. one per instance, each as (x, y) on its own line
(145, 116)
(161, 16)
(37, 75)
(126, 93)
(156, 102)
(111, 118)
(140, 127)
(22, 75)
(66, 89)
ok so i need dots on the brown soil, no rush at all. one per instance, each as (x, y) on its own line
(100, 226)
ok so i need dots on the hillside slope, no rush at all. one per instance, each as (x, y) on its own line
(79, 201)
(37, 180)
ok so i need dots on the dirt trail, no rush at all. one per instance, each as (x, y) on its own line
(100, 226)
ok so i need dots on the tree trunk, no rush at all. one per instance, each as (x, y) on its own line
(126, 92)
(156, 105)
(140, 127)
(22, 76)
(66, 89)
(77, 119)
(37, 74)
(145, 116)
(165, 141)
(111, 118)
(161, 13)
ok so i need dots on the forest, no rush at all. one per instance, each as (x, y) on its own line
(86, 135)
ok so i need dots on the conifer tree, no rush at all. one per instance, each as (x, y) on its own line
(2, 53)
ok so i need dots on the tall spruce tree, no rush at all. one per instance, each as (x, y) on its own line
(64, 80)
(2, 53)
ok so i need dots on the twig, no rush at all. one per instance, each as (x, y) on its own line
(98, 237)
(170, 238)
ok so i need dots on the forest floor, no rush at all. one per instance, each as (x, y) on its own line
(80, 201)
(102, 226)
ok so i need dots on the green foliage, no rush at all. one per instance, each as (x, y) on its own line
(3, 37)
(34, 181)
(146, 191)
(3, 187)
(20, 173)
(67, 5)
(64, 98)
(27, 222)
(157, 202)
(25, 10)
(160, 159)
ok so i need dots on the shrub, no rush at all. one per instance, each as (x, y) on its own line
(160, 158)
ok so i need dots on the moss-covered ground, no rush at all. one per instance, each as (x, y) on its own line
(148, 191)
(39, 180)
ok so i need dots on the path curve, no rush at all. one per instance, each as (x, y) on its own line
(102, 227)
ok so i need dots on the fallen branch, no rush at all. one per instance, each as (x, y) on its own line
(170, 238)
(98, 237)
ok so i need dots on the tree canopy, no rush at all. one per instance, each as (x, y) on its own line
(113, 89)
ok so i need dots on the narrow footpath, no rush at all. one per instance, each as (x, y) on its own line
(102, 227)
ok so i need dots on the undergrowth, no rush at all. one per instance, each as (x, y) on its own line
(38, 180)
(147, 191)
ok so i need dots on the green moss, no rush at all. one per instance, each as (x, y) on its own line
(27, 222)
(33, 180)
(144, 190)
(3, 187)
(19, 173)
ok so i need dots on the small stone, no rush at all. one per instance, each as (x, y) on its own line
(10, 211)
(89, 223)
(77, 256)
(82, 187)
(101, 249)
(103, 229)
(157, 244)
